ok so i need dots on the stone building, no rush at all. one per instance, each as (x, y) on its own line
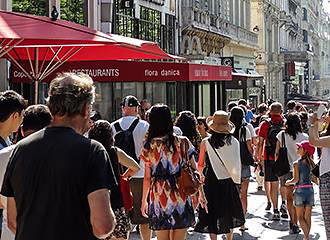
(267, 23)
(325, 54)
(217, 31)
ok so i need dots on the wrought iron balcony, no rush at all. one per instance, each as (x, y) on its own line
(243, 35)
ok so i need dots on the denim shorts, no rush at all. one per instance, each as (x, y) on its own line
(304, 197)
(246, 172)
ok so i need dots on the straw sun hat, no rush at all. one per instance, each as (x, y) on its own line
(220, 123)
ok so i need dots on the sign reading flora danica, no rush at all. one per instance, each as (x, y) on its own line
(130, 71)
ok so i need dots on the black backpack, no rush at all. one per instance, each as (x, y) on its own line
(124, 139)
(273, 130)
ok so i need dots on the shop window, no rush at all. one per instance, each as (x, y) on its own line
(234, 94)
(171, 98)
(204, 99)
(105, 100)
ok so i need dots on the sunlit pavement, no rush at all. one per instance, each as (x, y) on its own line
(260, 225)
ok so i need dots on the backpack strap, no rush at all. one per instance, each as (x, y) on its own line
(133, 125)
(118, 127)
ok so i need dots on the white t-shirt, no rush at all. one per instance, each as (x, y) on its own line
(4, 159)
(138, 135)
(291, 145)
(325, 163)
(230, 156)
(251, 129)
(248, 135)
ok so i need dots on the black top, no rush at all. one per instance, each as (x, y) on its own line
(50, 175)
(116, 197)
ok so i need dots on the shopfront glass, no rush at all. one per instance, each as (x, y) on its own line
(204, 99)
(234, 94)
(110, 95)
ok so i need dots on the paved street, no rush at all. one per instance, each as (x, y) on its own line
(260, 224)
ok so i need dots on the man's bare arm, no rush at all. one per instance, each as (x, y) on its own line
(102, 217)
(11, 214)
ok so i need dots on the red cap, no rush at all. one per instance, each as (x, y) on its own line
(307, 147)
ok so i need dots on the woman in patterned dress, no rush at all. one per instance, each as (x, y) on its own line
(169, 209)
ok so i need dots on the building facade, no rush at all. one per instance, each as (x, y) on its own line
(325, 54)
(267, 23)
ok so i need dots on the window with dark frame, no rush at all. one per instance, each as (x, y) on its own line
(149, 27)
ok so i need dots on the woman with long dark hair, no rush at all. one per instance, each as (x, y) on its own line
(187, 122)
(202, 127)
(101, 131)
(292, 135)
(169, 209)
(220, 206)
(242, 134)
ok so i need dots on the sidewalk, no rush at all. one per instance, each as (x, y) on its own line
(259, 223)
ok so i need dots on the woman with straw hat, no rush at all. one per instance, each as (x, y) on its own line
(221, 170)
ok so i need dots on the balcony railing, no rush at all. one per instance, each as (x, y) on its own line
(243, 35)
(203, 20)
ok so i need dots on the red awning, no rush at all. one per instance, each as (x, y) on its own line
(22, 31)
(129, 71)
(40, 40)
(47, 45)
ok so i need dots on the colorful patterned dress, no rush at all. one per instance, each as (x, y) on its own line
(169, 206)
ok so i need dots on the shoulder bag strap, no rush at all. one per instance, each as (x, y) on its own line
(184, 151)
(283, 140)
(218, 155)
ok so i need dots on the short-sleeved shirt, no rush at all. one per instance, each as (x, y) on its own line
(50, 175)
(263, 130)
(291, 145)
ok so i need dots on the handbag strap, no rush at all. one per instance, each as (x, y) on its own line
(184, 151)
(243, 134)
(283, 140)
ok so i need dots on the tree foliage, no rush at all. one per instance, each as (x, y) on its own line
(35, 7)
(74, 11)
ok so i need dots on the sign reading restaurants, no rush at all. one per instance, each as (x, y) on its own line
(126, 71)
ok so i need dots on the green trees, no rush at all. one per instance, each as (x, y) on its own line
(35, 7)
(71, 10)
(74, 11)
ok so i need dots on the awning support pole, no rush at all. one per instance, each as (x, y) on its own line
(51, 61)
(61, 63)
(3, 50)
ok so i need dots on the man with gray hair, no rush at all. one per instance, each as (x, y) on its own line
(57, 181)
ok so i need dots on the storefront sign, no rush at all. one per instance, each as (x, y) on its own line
(125, 71)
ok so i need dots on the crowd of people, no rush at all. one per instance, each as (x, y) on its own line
(66, 173)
